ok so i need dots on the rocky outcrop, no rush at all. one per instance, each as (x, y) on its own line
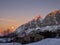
(52, 18)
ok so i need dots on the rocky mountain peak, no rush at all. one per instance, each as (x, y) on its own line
(37, 17)
(53, 13)
(52, 18)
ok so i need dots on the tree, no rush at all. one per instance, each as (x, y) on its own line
(6, 32)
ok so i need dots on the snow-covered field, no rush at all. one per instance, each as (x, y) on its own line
(10, 44)
(47, 41)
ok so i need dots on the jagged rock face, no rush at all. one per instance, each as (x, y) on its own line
(58, 18)
(34, 23)
(52, 18)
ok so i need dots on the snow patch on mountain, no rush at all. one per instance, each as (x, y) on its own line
(22, 32)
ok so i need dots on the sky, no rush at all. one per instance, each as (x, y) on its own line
(18, 12)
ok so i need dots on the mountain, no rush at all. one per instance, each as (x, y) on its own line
(30, 26)
(38, 28)
(51, 22)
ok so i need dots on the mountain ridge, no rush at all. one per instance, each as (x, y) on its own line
(48, 22)
(37, 23)
(38, 29)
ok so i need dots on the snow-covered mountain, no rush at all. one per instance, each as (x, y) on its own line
(51, 22)
(37, 29)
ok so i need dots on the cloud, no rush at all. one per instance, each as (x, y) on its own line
(7, 20)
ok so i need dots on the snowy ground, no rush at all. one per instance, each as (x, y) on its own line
(49, 41)
(10, 44)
